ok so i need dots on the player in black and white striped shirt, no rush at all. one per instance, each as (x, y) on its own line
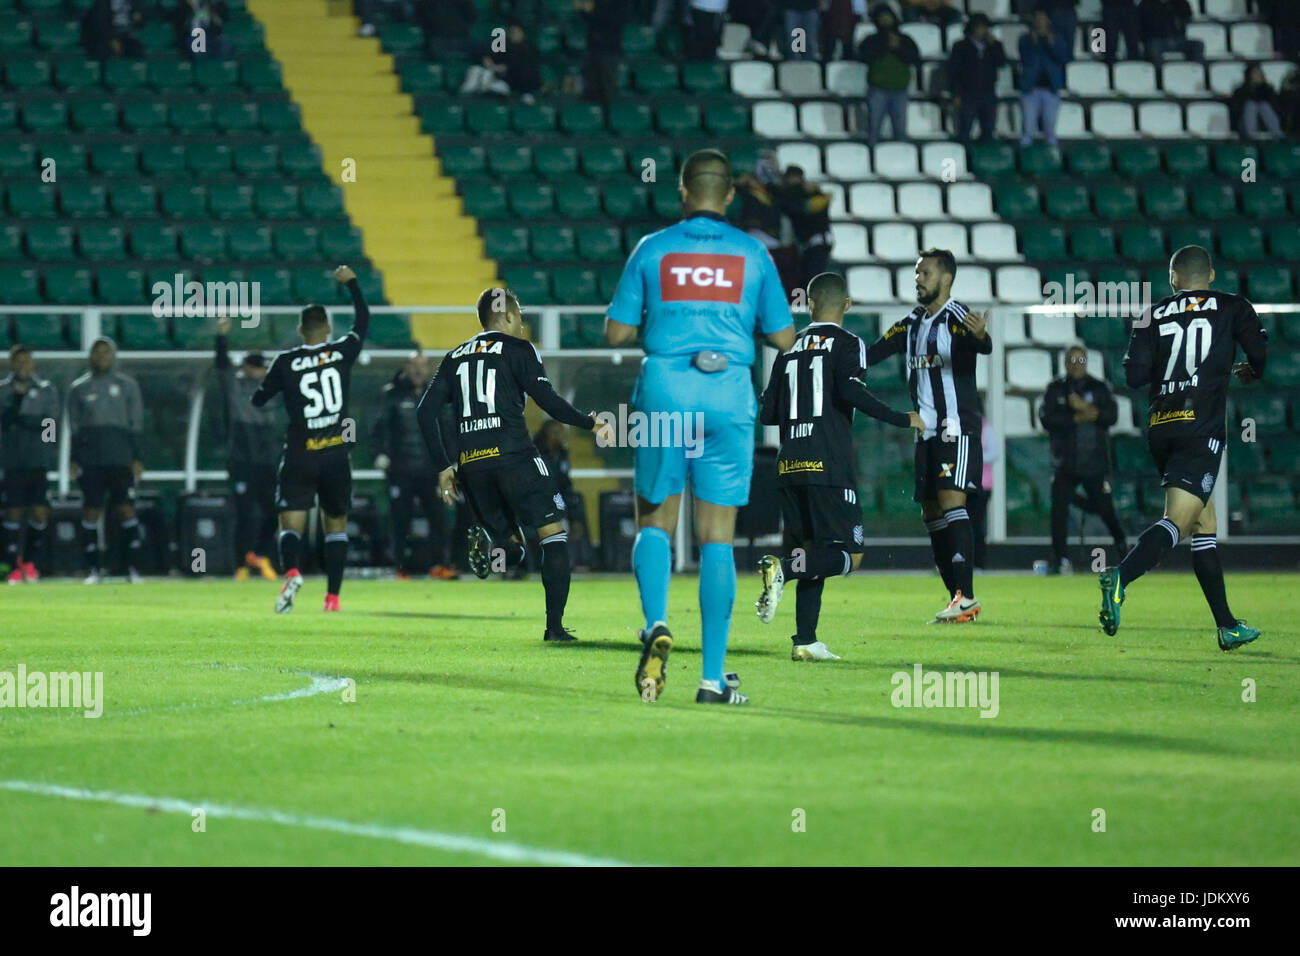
(940, 340)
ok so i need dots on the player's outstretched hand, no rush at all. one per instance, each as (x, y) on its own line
(223, 326)
(977, 322)
(447, 485)
(1245, 373)
(914, 421)
(604, 432)
(343, 275)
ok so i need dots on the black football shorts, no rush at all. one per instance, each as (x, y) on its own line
(821, 516)
(954, 464)
(306, 477)
(518, 493)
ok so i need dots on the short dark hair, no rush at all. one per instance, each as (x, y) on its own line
(706, 174)
(947, 262)
(17, 350)
(1192, 262)
(313, 317)
(826, 289)
(489, 304)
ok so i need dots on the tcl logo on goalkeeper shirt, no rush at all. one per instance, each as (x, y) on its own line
(691, 276)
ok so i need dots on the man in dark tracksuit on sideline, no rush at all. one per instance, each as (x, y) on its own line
(106, 418)
(400, 451)
(29, 411)
(1078, 412)
(255, 437)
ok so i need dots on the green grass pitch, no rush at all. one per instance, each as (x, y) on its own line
(472, 742)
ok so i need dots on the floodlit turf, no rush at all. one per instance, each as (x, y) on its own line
(463, 718)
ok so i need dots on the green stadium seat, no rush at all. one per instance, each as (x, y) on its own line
(45, 117)
(575, 286)
(727, 119)
(1041, 242)
(666, 199)
(124, 75)
(260, 75)
(77, 74)
(144, 116)
(50, 241)
(321, 201)
(18, 286)
(418, 77)
(11, 242)
(600, 244)
(212, 159)
(115, 159)
(528, 283)
(100, 242)
(576, 199)
(162, 159)
(314, 285)
(297, 242)
(1271, 495)
(706, 78)
(235, 117)
(146, 332)
(83, 199)
(462, 160)
(1283, 368)
(625, 200)
(601, 161)
(191, 118)
(631, 119)
(1141, 243)
(1213, 201)
(655, 77)
(17, 159)
(1017, 200)
(341, 242)
(216, 75)
(1268, 411)
(581, 118)
(1068, 201)
(506, 243)
(69, 159)
(275, 200)
(27, 73)
(1230, 157)
(1246, 458)
(1089, 159)
(94, 116)
(1283, 456)
(443, 118)
(677, 118)
(1241, 243)
(299, 159)
(119, 286)
(1039, 159)
(37, 331)
(638, 40)
(487, 118)
(509, 160)
(1264, 201)
(1116, 202)
(279, 117)
(1282, 160)
(245, 33)
(1289, 327)
(254, 159)
(250, 243)
(485, 200)
(8, 115)
(1269, 284)
(28, 200)
(133, 200)
(184, 201)
(167, 76)
(15, 34)
(552, 242)
(555, 161)
(454, 70)
(401, 38)
(1165, 200)
(607, 281)
(274, 287)
(1139, 161)
(68, 285)
(1188, 235)
(388, 331)
(153, 242)
(1188, 160)
(531, 200)
(201, 242)
(992, 160)
(1284, 242)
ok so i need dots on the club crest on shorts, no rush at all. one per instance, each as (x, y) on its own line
(945, 470)
(1207, 483)
(559, 501)
(857, 534)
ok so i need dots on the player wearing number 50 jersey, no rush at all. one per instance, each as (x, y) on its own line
(313, 380)
(1182, 349)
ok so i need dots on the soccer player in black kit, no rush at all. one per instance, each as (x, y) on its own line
(313, 378)
(940, 340)
(492, 458)
(1183, 348)
(814, 389)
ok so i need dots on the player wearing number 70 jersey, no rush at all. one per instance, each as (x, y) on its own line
(313, 378)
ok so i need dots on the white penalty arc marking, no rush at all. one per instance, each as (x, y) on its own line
(431, 839)
(320, 684)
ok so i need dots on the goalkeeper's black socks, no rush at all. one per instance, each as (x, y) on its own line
(289, 542)
(1155, 542)
(129, 543)
(816, 563)
(90, 544)
(961, 551)
(938, 529)
(1209, 573)
(555, 578)
(336, 559)
(807, 609)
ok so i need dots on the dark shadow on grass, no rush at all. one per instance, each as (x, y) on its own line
(634, 647)
(434, 616)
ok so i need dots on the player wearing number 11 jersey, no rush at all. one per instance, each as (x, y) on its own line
(313, 378)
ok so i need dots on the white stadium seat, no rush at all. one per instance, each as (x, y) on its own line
(1124, 425)
(734, 38)
(1275, 71)
(1019, 284)
(1135, 78)
(920, 201)
(973, 286)
(982, 376)
(1029, 369)
(946, 235)
(1183, 80)
(1054, 330)
(1160, 119)
(1017, 420)
(1252, 40)
(928, 38)
(1226, 77)
(753, 78)
(799, 78)
(822, 119)
(970, 201)
(995, 241)
(924, 120)
(872, 200)
(1113, 120)
(1008, 325)
(896, 161)
(946, 161)
(1209, 121)
(894, 242)
(1069, 122)
(839, 199)
(776, 120)
(846, 78)
(1087, 78)
(1213, 35)
(806, 155)
(869, 284)
(848, 161)
(850, 240)
(993, 9)
(1226, 9)
(1009, 34)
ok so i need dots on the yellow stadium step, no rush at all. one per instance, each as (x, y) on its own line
(413, 224)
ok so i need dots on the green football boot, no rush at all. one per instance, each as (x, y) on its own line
(1231, 638)
(1112, 599)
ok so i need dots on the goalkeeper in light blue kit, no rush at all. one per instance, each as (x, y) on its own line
(699, 292)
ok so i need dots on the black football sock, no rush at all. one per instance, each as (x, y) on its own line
(1209, 572)
(289, 542)
(1154, 543)
(35, 539)
(13, 542)
(336, 558)
(129, 543)
(815, 563)
(807, 609)
(555, 578)
(961, 544)
(515, 553)
(90, 544)
(938, 529)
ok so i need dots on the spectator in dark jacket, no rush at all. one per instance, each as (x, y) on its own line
(1120, 17)
(605, 22)
(108, 29)
(891, 56)
(1254, 107)
(973, 71)
(446, 25)
(515, 67)
(1043, 56)
(808, 209)
(939, 12)
(1164, 30)
(1281, 16)
(1289, 102)
(802, 29)
(1064, 18)
(208, 16)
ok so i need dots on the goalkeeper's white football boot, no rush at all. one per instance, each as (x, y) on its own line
(769, 570)
(707, 694)
(960, 610)
(816, 651)
(284, 601)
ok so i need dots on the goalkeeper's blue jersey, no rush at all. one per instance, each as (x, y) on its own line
(701, 285)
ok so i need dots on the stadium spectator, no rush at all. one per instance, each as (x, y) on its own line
(1255, 105)
(254, 442)
(106, 419)
(108, 29)
(838, 23)
(1120, 18)
(802, 29)
(208, 16)
(1289, 102)
(371, 12)
(808, 209)
(1043, 56)
(1064, 19)
(763, 19)
(973, 73)
(29, 409)
(516, 69)
(446, 25)
(551, 445)
(891, 56)
(1078, 412)
(760, 213)
(939, 12)
(605, 22)
(400, 452)
(1164, 30)
(1281, 16)
(704, 35)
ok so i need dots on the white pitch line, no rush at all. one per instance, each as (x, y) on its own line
(432, 839)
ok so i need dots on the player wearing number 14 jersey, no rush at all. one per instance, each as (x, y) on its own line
(313, 378)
